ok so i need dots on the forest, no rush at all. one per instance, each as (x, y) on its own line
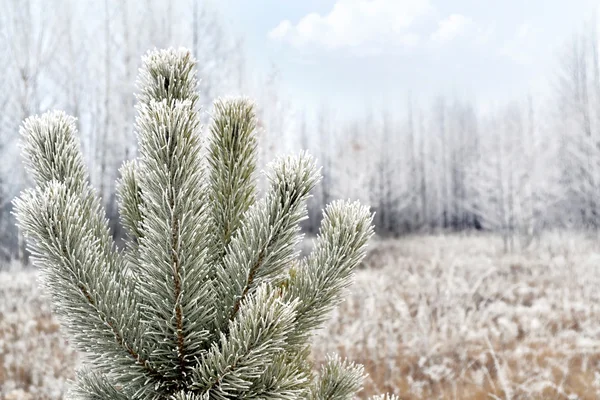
(441, 165)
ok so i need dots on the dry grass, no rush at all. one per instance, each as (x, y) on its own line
(430, 317)
(35, 360)
(454, 318)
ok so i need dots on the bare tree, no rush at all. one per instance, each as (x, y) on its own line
(28, 31)
(577, 123)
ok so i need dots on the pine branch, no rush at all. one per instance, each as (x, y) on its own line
(231, 187)
(198, 305)
(92, 386)
(232, 162)
(286, 378)
(51, 152)
(168, 75)
(190, 396)
(129, 198)
(266, 242)
(172, 249)
(338, 380)
(319, 282)
(257, 334)
(99, 314)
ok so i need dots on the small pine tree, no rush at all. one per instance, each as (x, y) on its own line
(208, 299)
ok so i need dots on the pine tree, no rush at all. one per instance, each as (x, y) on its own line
(208, 299)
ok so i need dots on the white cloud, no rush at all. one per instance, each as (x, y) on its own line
(451, 27)
(281, 30)
(360, 25)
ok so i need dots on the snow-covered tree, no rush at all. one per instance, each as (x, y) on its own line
(512, 183)
(578, 123)
(391, 187)
(495, 178)
(208, 299)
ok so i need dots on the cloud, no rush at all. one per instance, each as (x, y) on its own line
(281, 30)
(451, 27)
(361, 25)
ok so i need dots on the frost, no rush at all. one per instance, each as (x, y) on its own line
(541, 321)
(422, 321)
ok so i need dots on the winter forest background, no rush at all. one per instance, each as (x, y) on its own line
(517, 169)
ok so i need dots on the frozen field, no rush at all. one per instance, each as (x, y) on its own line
(431, 317)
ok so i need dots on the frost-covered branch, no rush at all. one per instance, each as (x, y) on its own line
(197, 305)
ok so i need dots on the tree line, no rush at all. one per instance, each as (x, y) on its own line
(440, 165)
(517, 169)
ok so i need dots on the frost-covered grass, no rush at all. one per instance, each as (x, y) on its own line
(454, 318)
(431, 317)
(35, 360)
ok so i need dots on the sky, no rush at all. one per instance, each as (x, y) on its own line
(352, 54)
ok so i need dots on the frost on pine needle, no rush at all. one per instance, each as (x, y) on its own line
(339, 380)
(208, 299)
